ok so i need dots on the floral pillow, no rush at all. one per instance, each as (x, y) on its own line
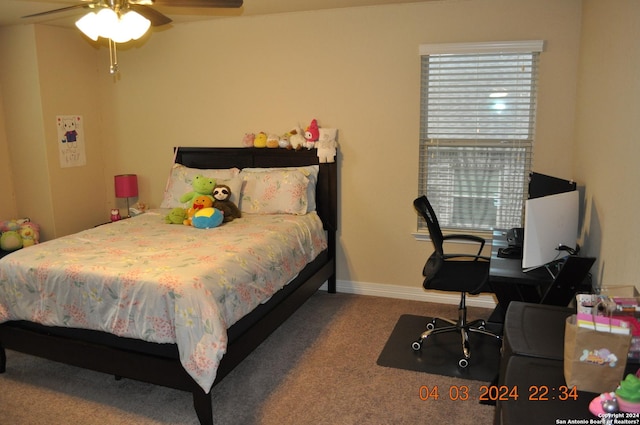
(181, 177)
(279, 191)
(310, 171)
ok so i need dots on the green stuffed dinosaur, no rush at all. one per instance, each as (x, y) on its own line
(201, 186)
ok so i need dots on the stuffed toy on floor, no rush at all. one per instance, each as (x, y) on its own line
(18, 233)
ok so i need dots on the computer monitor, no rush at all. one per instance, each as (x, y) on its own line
(549, 222)
(542, 185)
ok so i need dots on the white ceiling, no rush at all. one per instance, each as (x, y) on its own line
(11, 11)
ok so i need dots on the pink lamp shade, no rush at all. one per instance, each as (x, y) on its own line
(126, 185)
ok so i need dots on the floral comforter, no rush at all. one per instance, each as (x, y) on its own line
(145, 279)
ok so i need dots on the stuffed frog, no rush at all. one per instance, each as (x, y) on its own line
(176, 216)
(202, 186)
(10, 241)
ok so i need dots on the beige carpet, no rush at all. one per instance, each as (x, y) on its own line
(318, 368)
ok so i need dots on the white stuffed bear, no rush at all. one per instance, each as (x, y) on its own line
(327, 144)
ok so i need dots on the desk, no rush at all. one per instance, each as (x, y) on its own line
(509, 282)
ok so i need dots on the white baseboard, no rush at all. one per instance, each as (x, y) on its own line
(409, 293)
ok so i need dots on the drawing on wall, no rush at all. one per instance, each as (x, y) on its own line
(71, 141)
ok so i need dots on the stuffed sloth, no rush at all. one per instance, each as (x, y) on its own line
(223, 202)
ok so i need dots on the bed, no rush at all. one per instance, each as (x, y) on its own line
(162, 357)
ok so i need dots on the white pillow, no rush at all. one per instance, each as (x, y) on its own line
(310, 171)
(274, 192)
(181, 177)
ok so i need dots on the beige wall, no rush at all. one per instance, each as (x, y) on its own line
(68, 86)
(46, 72)
(607, 135)
(24, 133)
(8, 206)
(356, 69)
(208, 83)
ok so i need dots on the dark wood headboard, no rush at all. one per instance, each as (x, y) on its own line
(326, 189)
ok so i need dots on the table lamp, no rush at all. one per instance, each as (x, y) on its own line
(126, 187)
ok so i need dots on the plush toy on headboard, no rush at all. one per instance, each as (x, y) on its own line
(327, 145)
(261, 140)
(202, 186)
(247, 140)
(223, 202)
(296, 138)
(273, 141)
(312, 134)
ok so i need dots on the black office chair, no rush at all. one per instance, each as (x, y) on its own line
(464, 273)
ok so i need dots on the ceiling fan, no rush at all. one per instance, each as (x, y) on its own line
(143, 7)
(120, 21)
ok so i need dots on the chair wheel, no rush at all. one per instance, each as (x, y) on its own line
(463, 363)
(416, 345)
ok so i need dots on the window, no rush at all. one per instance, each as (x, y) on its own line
(477, 122)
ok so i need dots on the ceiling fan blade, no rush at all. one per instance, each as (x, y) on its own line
(152, 15)
(62, 9)
(199, 3)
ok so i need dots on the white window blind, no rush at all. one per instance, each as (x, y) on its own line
(478, 104)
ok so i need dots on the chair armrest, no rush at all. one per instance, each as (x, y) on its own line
(472, 238)
(474, 257)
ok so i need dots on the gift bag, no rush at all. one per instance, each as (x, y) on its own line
(594, 360)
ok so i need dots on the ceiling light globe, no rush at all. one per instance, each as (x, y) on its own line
(106, 22)
(135, 24)
(87, 24)
(119, 33)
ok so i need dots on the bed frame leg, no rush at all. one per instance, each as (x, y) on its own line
(331, 285)
(202, 404)
(3, 360)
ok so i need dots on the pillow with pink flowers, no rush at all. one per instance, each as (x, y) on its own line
(279, 191)
(310, 171)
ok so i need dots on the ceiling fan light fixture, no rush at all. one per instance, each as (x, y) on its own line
(106, 23)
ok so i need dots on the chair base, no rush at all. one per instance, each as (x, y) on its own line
(461, 326)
